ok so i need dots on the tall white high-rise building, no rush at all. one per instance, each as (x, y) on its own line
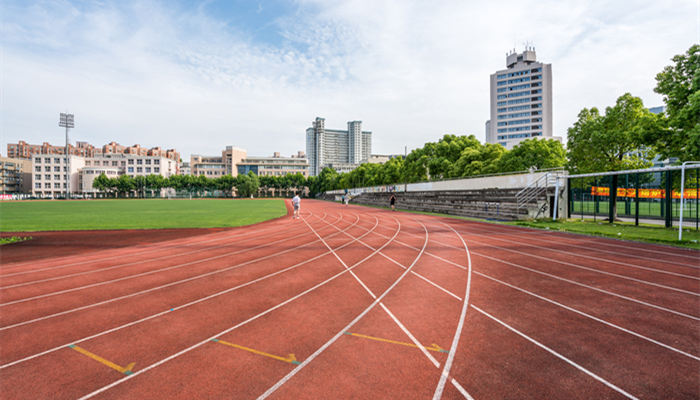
(521, 100)
(341, 150)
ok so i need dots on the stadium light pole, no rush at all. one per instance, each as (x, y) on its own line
(66, 121)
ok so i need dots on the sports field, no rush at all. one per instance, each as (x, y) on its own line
(352, 302)
(29, 216)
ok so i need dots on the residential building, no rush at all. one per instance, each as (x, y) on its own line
(185, 169)
(657, 110)
(24, 150)
(275, 165)
(15, 175)
(50, 175)
(521, 100)
(217, 166)
(135, 165)
(338, 148)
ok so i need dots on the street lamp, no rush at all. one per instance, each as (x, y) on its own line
(66, 121)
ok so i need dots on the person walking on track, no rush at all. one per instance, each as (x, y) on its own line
(296, 202)
(392, 201)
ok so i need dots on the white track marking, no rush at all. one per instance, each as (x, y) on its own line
(579, 267)
(644, 303)
(175, 243)
(404, 267)
(588, 239)
(602, 321)
(177, 266)
(596, 249)
(149, 260)
(561, 357)
(169, 311)
(408, 333)
(642, 281)
(269, 310)
(235, 266)
(659, 271)
(458, 332)
(342, 331)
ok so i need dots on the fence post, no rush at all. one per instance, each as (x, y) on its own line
(667, 206)
(636, 199)
(570, 197)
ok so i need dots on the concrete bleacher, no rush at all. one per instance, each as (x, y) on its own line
(493, 203)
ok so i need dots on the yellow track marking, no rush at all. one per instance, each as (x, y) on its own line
(124, 370)
(432, 347)
(289, 359)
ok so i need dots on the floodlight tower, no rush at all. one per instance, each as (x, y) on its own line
(66, 121)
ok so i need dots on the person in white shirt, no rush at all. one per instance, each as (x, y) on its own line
(296, 202)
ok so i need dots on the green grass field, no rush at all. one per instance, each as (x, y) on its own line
(28, 216)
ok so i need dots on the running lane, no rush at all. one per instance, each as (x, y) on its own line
(355, 302)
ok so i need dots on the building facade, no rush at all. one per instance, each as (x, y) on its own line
(217, 166)
(15, 175)
(84, 149)
(328, 147)
(521, 100)
(50, 175)
(275, 165)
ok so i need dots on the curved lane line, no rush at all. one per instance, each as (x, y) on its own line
(458, 332)
(225, 269)
(117, 266)
(143, 274)
(269, 310)
(149, 249)
(347, 327)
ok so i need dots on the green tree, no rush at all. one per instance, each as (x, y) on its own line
(533, 153)
(139, 183)
(124, 184)
(611, 142)
(247, 185)
(680, 86)
(101, 183)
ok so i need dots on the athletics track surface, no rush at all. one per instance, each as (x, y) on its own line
(353, 302)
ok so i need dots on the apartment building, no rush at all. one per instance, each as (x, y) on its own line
(521, 100)
(84, 149)
(15, 175)
(217, 166)
(50, 175)
(332, 147)
(275, 165)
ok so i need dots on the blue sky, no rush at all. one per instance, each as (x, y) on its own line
(198, 76)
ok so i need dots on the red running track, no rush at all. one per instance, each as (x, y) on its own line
(352, 302)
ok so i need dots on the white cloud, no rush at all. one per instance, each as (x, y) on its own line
(411, 70)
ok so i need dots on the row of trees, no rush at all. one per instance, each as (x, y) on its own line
(244, 185)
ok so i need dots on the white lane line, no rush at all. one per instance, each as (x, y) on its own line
(142, 261)
(342, 331)
(124, 278)
(381, 253)
(458, 332)
(596, 249)
(170, 244)
(644, 303)
(602, 321)
(269, 310)
(588, 240)
(167, 311)
(408, 333)
(633, 300)
(218, 271)
(629, 265)
(578, 266)
(561, 357)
